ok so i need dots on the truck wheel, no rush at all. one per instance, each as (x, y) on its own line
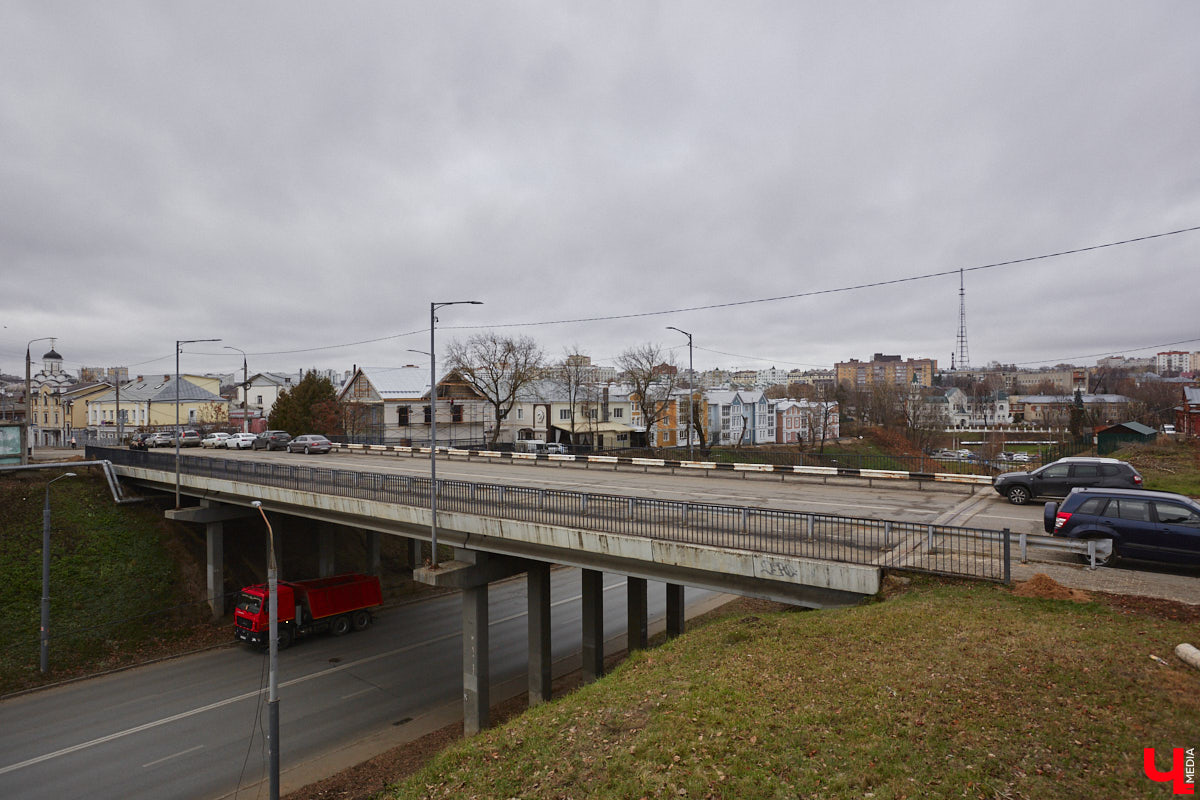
(1018, 495)
(340, 626)
(360, 620)
(285, 638)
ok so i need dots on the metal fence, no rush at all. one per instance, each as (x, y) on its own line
(941, 549)
(796, 458)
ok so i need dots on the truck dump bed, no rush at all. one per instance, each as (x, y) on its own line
(341, 593)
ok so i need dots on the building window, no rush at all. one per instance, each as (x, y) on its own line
(618, 413)
(564, 413)
(456, 413)
(520, 413)
(428, 415)
(402, 415)
(258, 402)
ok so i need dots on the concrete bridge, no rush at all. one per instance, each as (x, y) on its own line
(499, 531)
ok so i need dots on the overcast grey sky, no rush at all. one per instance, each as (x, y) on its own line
(296, 176)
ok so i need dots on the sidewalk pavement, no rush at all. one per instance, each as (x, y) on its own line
(1121, 579)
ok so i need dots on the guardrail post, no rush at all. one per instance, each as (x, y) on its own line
(1007, 556)
(632, 514)
(1024, 548)
(541, 499)
(687, 514)
(887, 533)
(584, 508)
(812, 526)
(745, 520)
(929, 540)
(1092, 553)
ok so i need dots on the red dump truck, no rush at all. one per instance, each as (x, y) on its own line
(338, 604)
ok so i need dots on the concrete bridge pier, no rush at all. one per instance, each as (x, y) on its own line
(212, 515)
(593, 624)
(538, 593)
(472, 571)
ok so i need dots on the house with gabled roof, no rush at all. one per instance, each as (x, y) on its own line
(149, 402)
(390, 405)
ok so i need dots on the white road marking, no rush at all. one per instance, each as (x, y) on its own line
(29, 762)
(176, 755)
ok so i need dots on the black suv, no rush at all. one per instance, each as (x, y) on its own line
(1153, 526)
(1058, 478)
(271, 440)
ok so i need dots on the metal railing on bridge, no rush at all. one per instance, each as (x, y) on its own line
(941, 549)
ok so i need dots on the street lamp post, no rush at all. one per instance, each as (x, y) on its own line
(178, 342)
(691, 389)
(46, 574)
(273, 657)
(245, 387)
(27, 450)
(433, 307)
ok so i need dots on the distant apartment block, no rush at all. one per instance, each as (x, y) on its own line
(1172, 361)
(885, 369)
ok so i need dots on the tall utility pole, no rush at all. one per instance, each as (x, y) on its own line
(691, 390)
(433, 307)
(245, 387)
(178, 342)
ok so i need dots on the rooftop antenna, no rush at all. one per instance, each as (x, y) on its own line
(964, 358)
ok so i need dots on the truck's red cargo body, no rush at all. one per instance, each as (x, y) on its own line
(338, 604)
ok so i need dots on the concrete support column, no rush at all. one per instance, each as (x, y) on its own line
(215, 536)
(674, 610)
(374, 559)
(635, 589)
(540, 678)
(476, 673)
(326, 547)
(593, 624)
(414, 554)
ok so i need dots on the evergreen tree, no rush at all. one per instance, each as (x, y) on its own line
(308, 407)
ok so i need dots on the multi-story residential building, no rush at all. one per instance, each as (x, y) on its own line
(1172, 362)
(770, 377)
(739, 417)
(885, 369)
(1064, 380)
(1121, 362)
(262, 390)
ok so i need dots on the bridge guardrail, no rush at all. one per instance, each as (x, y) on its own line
(888, 543)
(719, 466)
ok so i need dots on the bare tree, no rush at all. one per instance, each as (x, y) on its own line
(574, 377)
(652, 379)
(497, 367)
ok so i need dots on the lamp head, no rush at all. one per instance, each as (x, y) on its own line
(256, 503)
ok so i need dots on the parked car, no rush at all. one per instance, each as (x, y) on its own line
(309, 443)
(190, 439)
(161, 439)
(241, 441)
(272, 440)
(214, 439)
(139, 441)
(1058, 478)
(1154, 526)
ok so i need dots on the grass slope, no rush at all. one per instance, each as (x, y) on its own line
(110, 565)
(944, 691)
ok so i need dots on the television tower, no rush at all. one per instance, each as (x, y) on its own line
(964, 359)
